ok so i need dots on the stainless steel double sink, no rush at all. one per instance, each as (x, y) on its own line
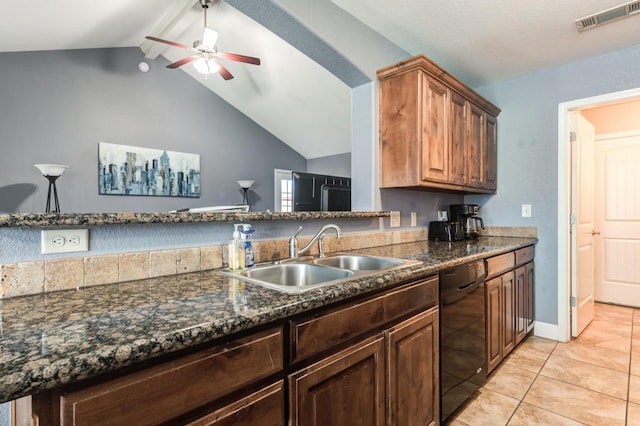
(302, 274)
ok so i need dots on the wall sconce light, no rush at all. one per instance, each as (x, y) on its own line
(245, 185)
(52, 172)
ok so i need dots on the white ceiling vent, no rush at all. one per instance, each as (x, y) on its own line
(609, 15)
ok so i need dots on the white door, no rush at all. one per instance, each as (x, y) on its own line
(618, 219)
(583, 253)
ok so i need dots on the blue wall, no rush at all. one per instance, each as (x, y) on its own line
(55, 107)
(528, 146)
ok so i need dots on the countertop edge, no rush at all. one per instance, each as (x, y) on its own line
(40, 220)
(111, 358)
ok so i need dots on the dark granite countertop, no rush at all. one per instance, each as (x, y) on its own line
(57, 338)
(37, 220)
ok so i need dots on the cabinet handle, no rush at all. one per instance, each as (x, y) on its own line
(594, 233)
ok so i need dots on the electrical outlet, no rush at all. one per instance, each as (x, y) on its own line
(395, 219)
(443, 215)
(526, 210)
(64, 240)
(414, 219)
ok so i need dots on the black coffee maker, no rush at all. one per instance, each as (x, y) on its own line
(467, 215)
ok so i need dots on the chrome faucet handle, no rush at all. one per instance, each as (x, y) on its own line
(321, 246)
(293, 244)
(297, 233)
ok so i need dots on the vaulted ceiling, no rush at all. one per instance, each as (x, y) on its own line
(315, 51)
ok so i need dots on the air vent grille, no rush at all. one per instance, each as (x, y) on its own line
(586, 23)
(609, 15)
(633, 8)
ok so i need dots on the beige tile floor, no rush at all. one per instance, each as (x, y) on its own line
(591, 380)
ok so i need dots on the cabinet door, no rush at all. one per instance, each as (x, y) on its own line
(435, 140)
(491, 152)
(401, 131)
(508, 313)
(344, 389)
(521, 308)
(262, 408)
(530, 280)
(457, 153)
(166, 391)
(493, 301)
(475, 146)
(413, 371)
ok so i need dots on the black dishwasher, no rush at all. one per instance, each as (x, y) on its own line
(463, 366)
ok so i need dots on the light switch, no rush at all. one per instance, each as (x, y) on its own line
(526, 210)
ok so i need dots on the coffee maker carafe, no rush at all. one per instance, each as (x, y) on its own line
(467, 215)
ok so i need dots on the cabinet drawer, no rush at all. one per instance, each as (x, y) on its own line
(262, 408)
(165, 391)
(524, 255)
(312, 335)
(499, 264)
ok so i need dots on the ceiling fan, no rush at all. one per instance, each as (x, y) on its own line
(207, 57)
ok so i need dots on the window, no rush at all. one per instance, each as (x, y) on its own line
(283, 192)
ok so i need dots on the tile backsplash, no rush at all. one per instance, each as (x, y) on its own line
(32, 277)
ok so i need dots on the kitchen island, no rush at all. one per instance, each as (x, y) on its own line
(59, 338)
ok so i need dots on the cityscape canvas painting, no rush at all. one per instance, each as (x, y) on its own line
(131, 170)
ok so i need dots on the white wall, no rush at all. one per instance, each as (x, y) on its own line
(527, 151)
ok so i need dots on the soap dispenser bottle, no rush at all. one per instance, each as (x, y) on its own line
(245, 234)
(236, 250)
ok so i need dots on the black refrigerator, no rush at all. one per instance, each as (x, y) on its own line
(315, 192)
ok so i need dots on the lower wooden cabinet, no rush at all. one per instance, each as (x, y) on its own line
(413, 371)
(371, 361)
(493, 309)
(530, 280)
(525, 300)
(500, 308)
(391, 378)
(166, 391)
(509, 303)
(344, 389)
(509, 313)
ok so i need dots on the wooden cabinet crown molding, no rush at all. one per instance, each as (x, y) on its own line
(429, 67)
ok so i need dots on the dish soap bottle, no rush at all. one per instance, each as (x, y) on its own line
(236, 250)
(245, 235)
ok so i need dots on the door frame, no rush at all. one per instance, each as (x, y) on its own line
(565, 250)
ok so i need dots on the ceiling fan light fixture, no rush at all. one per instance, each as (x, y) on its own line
(206, 66)
(206, 57)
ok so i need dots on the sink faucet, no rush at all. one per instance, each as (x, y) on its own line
(293, 241)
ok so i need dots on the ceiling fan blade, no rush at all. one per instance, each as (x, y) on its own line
(172, 43)
(183, 61)
(224, 72)
(209, 38)
(239, 58)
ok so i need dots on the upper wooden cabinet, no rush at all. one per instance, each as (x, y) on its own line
(435, 132)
